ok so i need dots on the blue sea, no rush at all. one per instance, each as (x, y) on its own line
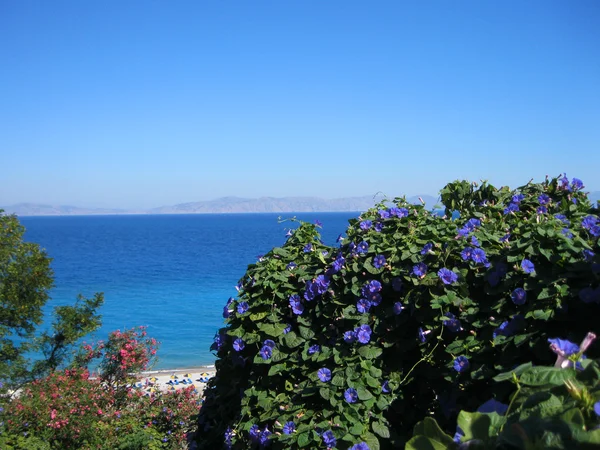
(172, 273)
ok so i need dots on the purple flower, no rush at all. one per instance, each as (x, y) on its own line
(420, 269)
(372, 286)
(493, 406)
(385, 387)
(269, 343)
(307, 248)
(562, 218)
(398, 308)
(466, 253)
(351, 395)
(319, 223)
(289, 428)
(364, 446)
(340, 238)
(588, 222)
(363, 334)
(296, 304)
(254, 433)
(363, 247)
(461, 364)
(478, 256)
(329, 439)
(543, 199)
(324, 374)
(452, 323)
(399, 212)
(378, 227)
(287, 329)
(314, 349)
(218, 341)
(577, 184)
(264, 437)
(447, 276)
(379, 261)
(527, 266)
(519, 296)
(541, 210)
(322, 283)
(363, 305)
(423, 334)
(384, 214)
(291, 266)
(338, 264)
(512, 208)
(242, 307)
(500, 331)
(475, 241)
(588, 255)
(266, 352)
(563, 350)
(365, 225)
(567, 233)
(595, 230)
(564, 183)
(311, 291)
(226, 312)
(505, 238)
(227, 436)
(374, 298)
(238, 345)
(426, 248)
(518, 198)
(397, 284)
(349, 336)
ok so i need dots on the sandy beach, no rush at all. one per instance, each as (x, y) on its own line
(167, 380)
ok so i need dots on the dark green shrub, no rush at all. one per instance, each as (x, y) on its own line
(413, 316)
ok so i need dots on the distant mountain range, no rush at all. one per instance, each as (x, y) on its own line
(219, 206)
(226, 205)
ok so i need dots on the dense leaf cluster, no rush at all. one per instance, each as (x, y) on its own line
(411, 317)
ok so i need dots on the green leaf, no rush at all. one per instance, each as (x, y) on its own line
(338, 380)
(363, 393)
(292, 340)
(303, 440)
(371, 441)
(381, 429)
(542, 376)
(474, 425)
(357, 429)
(517, 371)
(435, 438)
(306, 332)
(271, 329)
(277, 368)
(370, 352)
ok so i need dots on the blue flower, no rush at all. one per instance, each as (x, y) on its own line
(254, 433)
(518, 198)
(397, 284)
(500, 331)
(378, 227)
(296, 304)
(351, 395)
(365, 225)
(324, 374)
(360, 446)
(447, 276)
(595, 231)
(329, 439)
(399, 212)
(512, 208)
(452, 323)
(379, 261)
(527, 266)
(385, 387)
(338, 264)
(238, 345)
(374, 298)
(475, 241)
(266, 352)
(567, 233)
(423, 334)
(242, 307)
(384, 214)
(562, 218)
(588, 255)
(269, 343)
(541, 210)
(226, 312)
(287, 329)
(589, 295)
(543, 199)
(228, 435)
(563, 350)
(291, 266)
(264, 437)
(349, 336)
(466, 253)
(505, 238)
(398, 308)
(371, 287)
(493, 278)
(420, 269)
(519, 296)
(577, 184)
(307, 248)
(597, 408)
(493, 406)
(289, 428)
(311, 291)
(218, 341)
(363, 334)
(588, 222)
(363, 305)
(340, 238)
(362, 247)
(461, 364)
(314, 349)
(322, 283)
(426, 248)
(319, 223)
(478, 256)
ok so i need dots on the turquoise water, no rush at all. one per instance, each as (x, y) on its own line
(173, 273)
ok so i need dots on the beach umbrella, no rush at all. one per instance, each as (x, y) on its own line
(154, 379)
(186, 375)
(174, 377)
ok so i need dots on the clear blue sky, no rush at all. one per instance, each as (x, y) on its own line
(147, 103)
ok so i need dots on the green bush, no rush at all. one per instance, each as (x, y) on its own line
(411, 317)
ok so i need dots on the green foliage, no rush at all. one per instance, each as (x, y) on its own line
(403, 362)
(551, 408)
(25, 279)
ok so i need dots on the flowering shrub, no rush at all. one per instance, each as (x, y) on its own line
(412, 316)
(552, 407)
(69, 409)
